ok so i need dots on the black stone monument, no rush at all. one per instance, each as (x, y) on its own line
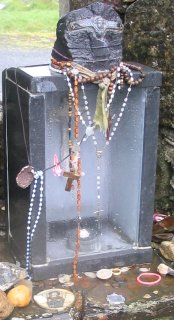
(35, 101)
(128, 174)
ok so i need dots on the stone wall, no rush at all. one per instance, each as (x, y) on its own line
(148, 39)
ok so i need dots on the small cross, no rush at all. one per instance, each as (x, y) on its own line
(71, 177)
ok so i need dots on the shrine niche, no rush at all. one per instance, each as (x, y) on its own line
(82, 178)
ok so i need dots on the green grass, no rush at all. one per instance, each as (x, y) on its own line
(22, 18)
(35, 20)
(30, 4)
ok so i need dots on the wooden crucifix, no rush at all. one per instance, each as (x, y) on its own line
(71, 177)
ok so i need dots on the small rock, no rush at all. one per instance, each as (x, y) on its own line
(155, 292)
(64, 278)
(125, 269)
(144, 269)
(46, 315)
(91, 275)
(163, 269)
(147, 296)
(16, 318)
(167, 250)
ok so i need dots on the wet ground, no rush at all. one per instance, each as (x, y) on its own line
(149, 302)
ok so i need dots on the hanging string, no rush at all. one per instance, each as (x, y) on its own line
(22, 119)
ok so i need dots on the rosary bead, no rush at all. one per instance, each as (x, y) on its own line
(75, 90)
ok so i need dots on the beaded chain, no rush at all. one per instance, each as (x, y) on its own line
(91, 132)
(77, 248)
(76, 107)
(68, 69)
(31, 229)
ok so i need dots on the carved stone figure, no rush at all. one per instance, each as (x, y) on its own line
(91, 36)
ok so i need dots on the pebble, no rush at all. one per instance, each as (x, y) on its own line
(91, 275)
(125, 269)
(64, 278)
(144, 269)
(155, 292)
(167, 250)
(16, 318)
(47, 315)
(68, 284)
(147, 296)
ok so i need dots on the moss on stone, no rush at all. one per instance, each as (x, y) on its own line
(148, 39)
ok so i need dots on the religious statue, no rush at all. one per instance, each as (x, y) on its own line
(91, 36)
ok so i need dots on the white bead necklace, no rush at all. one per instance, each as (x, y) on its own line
(31, 229)
(91, 132)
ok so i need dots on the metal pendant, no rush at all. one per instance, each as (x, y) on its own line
(25, 177)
